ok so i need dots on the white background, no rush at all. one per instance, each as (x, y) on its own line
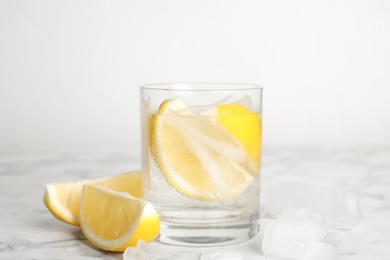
(70, 70)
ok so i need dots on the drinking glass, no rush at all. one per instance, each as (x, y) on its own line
(201, 157)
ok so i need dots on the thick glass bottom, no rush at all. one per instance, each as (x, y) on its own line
(204, 235)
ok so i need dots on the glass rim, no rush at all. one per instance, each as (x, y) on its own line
(207, 86)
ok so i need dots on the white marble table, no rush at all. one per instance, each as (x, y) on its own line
(29, 231)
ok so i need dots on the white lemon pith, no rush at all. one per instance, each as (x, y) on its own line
(62, 199)
(114, 220)
(203, 157)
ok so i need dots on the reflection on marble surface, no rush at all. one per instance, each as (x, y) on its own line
(29, 231)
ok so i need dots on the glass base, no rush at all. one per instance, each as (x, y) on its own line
(204, 235)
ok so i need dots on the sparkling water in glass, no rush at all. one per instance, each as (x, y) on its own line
(201, 157)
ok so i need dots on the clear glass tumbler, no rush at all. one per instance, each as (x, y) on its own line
(201, 156)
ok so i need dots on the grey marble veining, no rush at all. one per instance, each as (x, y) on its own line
(29, 231)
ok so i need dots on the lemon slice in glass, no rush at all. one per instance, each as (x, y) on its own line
(198, 156)
(244, 125)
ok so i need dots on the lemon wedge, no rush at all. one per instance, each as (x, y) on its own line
(244, 125)
(114, 220)
(62, 199)
(200, 158)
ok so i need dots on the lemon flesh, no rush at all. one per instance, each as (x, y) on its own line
(200, 158)
(244, 125)
(114, 220)
(63, 199)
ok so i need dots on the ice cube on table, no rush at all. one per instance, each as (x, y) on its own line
(142, 251)
(222, 256)
(341, 209)
(321, 251)
(158, 251)
(293, 234)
